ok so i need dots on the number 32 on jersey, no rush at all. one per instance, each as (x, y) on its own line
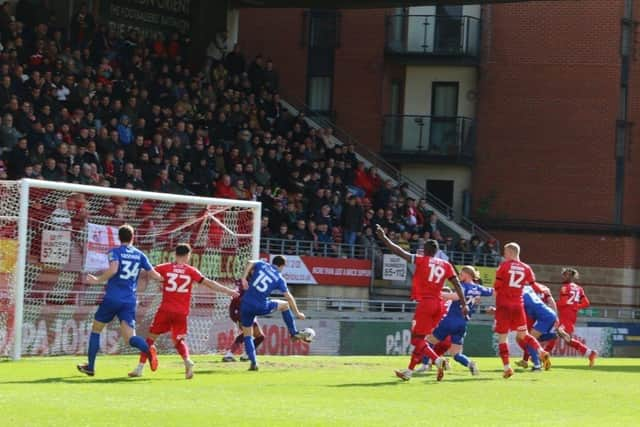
(178, 283)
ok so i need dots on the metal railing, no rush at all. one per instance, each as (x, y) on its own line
(434, 35)
(313, 248)
(444, 137)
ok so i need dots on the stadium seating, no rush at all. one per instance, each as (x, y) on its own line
(118, 110)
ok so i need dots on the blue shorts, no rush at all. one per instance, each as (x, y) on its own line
(126, 312)
(456, 329)
(544, 324)
(248, 312)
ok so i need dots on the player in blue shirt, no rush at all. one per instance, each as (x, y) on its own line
(544, 321)
(264, 278)
(120, 298)
(454, 323)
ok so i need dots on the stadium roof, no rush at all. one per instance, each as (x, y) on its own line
(360, 4)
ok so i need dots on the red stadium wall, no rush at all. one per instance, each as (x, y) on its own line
(359, 62)
(547, 109)
(359, 74)
(276, 34)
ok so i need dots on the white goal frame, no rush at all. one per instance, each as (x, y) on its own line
(27, 184)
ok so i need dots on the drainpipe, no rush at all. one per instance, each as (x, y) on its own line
(623, 124)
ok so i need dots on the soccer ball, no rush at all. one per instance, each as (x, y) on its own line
(309, 333)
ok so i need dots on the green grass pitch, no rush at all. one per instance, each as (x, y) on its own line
(315, 391)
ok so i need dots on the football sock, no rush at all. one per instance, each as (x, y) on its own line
(182, 349)
(428, 351)
(442, 347)
(531, 341)
(94, 346)
(550, 345)
(258, 341)
(534, 356)
(236, 344)
(581, 348)
(139, 343)
(239, 338)
(250, 349)
(143, 356)
(419, 344)
(503, 349)
(425, 360)
(461, 359)
(287, 316)
(525, 351)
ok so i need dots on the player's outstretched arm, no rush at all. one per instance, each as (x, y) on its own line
(449, 296)
(395, 249)
(460, 293)
(294, 307)
(154, 275)
(217, 287)
(106, 275)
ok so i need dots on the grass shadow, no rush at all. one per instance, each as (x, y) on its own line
(78, 379)
(601, 368)
(378, 384)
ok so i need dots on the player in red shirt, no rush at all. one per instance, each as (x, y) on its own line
(178, 279)
(511, 277)
(572, 299)
(428, 279)
(234, 315)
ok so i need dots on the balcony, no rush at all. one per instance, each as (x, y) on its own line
(443, 140)
(445, 40)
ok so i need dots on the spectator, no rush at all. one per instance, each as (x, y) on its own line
(301, 233)
(224, 188)
(352, 220)
(50, 171)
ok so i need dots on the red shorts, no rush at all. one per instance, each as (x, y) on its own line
(510, 318)
(427, 316)
(166, 321)
(567, 321)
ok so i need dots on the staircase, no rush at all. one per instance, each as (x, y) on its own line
(464, 227)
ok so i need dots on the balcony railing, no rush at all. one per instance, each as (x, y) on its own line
(307, 247)
(434, 35)
(448, 138)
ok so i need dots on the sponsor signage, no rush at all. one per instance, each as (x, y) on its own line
(394, 268)
(309, 270)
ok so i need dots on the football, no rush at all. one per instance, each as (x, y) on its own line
(309, 333)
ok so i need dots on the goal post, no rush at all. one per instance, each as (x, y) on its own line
(52, 234)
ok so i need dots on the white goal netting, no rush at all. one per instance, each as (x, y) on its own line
(70, 230)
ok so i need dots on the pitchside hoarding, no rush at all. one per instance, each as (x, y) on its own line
(58, 331)
(311, 270)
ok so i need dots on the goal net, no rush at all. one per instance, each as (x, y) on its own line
(52, 234)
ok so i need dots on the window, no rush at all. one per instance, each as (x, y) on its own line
(319, 96)
(443, 134)
(323, 37)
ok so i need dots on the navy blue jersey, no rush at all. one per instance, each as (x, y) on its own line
(265, 279)
(471, 292)
(122, 286)
(534, 307)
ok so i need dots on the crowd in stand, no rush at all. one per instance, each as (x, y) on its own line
(94, 107)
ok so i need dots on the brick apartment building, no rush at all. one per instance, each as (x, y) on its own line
(518, 115)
